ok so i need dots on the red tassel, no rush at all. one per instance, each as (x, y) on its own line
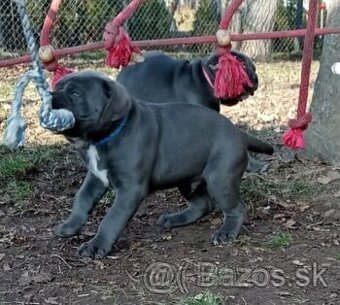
(294, 138)
(121, 52)
(58, 74)
(231, 77)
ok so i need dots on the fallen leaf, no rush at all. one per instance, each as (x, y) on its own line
(255, 260)
(135, 244)
(329, 213)
(2, 255)
(333, 296)
(216, 221)
(285, 205)
(167, 237)
(279, 216)
(303, 206)
(297, 262)
(6, 267)
(41, 277)
(290, 224)
(24, 279)
(162, 195)
(100, 264)
(324, 180)
(28, 296)
(51, 300)
(333, 175)
(337, 194)
(283, 293)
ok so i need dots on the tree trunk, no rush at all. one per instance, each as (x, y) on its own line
(255, 16)
(323, 135)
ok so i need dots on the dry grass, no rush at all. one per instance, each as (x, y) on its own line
(275, 101)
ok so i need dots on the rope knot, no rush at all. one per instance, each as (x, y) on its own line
(119, 46)
(47, 57)
(301, 122)
(294, 137)
(223, 38)
(231, 77)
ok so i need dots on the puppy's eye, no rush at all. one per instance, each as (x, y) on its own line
(75, 93)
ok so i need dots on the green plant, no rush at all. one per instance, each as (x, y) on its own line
(84, 21)
(23, 161)
(17, 192)
(337, 256)
(206, 298)
(109, 197)
(281, 240)
(151, 21)
(206, 22)
(256, 188)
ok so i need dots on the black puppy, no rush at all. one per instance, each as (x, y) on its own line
(162, 79)
(142, 147)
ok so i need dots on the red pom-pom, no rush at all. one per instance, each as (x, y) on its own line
(121, 52)
(58, 74)
(294, 138)
(231, 77)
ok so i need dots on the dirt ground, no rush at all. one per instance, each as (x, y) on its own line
(289, 252)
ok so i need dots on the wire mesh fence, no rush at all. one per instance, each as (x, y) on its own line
(80, 22)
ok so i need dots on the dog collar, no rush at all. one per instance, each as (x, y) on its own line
(114, 133)
(207, 77)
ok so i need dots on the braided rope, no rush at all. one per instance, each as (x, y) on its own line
(55, 120)
(294, 138)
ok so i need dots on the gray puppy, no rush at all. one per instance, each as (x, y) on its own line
(162, 79)
(141, 147)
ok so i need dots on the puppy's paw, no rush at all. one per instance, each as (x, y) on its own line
(165, 220)
(71, 226)
(222, 238)
(94, 249)
(257, 166)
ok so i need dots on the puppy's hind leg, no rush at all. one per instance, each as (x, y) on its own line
(91, 191)
(223, 187)
(200, 204)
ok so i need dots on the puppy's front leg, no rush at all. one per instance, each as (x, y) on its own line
(111, 227)
(91, 191)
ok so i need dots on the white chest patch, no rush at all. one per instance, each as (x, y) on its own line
(93, 156)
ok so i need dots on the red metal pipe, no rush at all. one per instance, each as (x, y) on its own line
(49, 22)
(175, 41)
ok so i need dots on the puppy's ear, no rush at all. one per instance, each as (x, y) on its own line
(247, 61)
(211, 61)
(118, 100)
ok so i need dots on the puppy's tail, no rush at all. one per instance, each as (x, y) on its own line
(257, 146)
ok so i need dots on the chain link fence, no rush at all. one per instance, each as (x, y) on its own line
(80, 22)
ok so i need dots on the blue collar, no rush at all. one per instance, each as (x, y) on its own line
(114, 133)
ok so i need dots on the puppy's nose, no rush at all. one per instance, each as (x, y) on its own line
(58, 100)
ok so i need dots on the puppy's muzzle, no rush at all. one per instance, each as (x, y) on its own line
(60, 100)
